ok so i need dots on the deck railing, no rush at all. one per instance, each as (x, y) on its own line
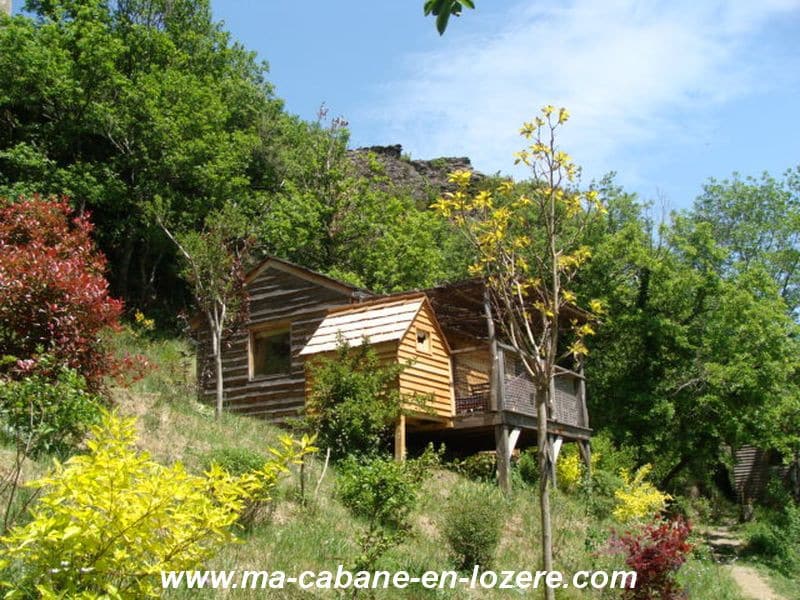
(516, 392)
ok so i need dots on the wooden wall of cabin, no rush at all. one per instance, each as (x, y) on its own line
(753, 469)
(277, 298)
(471, 371)
(430, 373)
(386, 352)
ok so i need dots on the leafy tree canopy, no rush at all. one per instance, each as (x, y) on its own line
(698, 348)
(116, 103)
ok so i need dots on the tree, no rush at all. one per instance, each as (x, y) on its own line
(344, 216)
(54, 297)
(213, 267)
(444, 9)
(114, 103)
(696, 351)
(758, 223)
(354, 402)
(528, 242)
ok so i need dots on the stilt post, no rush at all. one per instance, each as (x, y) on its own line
(503, 458)
(400, 439)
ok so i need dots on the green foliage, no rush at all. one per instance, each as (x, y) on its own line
(601, 496)
(234, 460)
(251, 490)
(47, 414)
(528, 466)
(697, 350)
(775, 537)
(607, 456)
(382, 492)
(443, 9)
(756, 222)
(472, 524)
(354, 401)
(339, 214)
(212, 258)
(481, 466)
(108, 522)
(116, 103)
(167, 107)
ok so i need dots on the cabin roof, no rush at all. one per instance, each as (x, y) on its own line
(380, 320)
(304, 273)
(459, 307)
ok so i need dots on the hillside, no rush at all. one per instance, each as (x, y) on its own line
(322, 534)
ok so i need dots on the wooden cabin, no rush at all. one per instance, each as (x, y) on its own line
(402, 331)
(477, 394)
(263, 372)
(754, 468)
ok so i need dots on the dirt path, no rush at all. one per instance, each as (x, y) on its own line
(752, 583)
(725, 547)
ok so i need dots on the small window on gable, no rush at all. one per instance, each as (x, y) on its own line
(271, 352)
(423, 340)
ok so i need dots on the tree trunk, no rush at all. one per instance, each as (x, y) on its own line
(543, 444)
(218, 409)
(216, 340)
(123, 268)
(673, 472)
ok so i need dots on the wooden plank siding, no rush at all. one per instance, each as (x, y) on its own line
(472, 371)
(430, 373)
(278, 296)
(427, 373)
(752, 471)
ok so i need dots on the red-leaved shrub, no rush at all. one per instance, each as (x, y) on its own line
(54, 297)
(656, 553)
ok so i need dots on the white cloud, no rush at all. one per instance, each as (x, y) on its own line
(631, 73)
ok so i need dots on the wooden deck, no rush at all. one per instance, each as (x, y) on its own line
(516, 393)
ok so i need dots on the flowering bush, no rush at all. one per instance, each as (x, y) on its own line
(656, 554)
(638, 499)
(143, 322)
(111, 520)
(569, 471)
(54, 297)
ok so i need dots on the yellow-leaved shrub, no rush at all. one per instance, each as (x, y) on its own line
(569, 471)
(638, 499)
(109, 521)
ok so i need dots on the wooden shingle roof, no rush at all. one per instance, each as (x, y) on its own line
(381, 320)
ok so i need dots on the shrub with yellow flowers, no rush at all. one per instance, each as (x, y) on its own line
(143, 322)
(638, 499)
(569, 471)
(109, 521)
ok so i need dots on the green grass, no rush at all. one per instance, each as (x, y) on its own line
(703, 578)
(322, 534)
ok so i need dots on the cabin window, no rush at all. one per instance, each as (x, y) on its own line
(423, 340)
(271, 352)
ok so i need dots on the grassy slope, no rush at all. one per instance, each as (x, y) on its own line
(172, 426)
(323, 534)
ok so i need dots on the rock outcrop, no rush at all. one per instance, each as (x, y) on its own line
(423, 180)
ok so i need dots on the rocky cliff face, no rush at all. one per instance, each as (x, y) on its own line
(423, 180)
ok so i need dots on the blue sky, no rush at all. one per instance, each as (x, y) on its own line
(666, 94)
